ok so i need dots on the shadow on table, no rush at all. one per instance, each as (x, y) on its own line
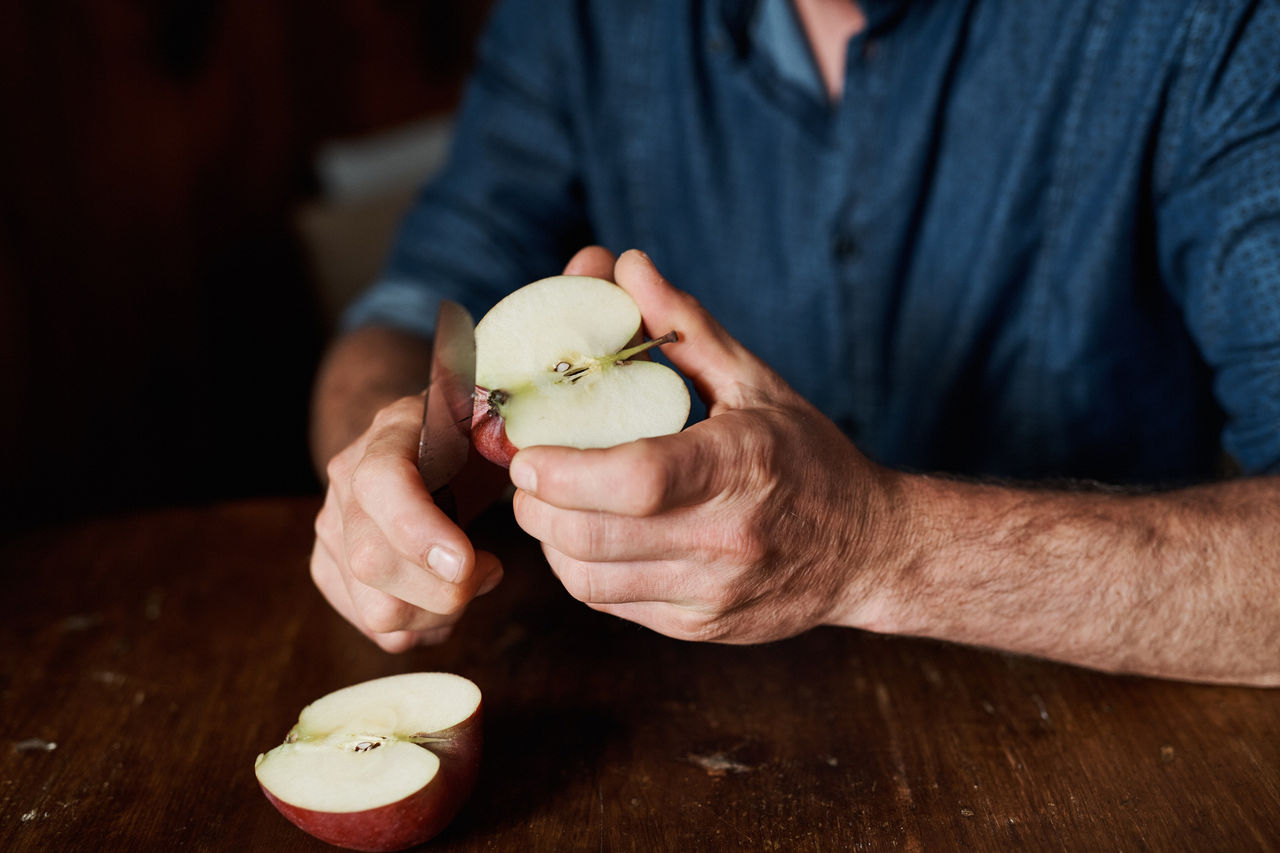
(531, 756)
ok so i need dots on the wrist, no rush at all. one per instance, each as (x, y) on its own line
(887, 554)
(363, 372)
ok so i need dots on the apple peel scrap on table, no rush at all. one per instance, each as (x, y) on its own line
(556, 364)
(381, 765)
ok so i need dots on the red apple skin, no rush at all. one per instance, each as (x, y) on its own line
(489, 432)
(417, 818)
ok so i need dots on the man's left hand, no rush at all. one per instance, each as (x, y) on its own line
(756, 524)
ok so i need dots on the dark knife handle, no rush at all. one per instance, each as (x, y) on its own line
(448, 504)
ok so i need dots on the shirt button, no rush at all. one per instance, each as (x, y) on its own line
(843, 246)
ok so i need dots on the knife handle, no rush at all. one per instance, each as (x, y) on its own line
(445, 499)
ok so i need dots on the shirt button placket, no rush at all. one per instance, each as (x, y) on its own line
(847, 250)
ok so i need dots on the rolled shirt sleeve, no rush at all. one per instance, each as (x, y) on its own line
(508, 206)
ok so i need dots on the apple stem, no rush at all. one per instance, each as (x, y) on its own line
(617, 358)
(669, 338)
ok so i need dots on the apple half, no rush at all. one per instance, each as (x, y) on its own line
(381, 765)
(555, 364)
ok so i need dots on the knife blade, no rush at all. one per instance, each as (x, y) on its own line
(445, 439)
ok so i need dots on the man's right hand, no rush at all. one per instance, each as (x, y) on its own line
(386, 557)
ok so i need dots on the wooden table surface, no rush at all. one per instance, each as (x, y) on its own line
(148, 659)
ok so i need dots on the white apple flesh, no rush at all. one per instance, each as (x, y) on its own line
(553, 366)
(381, 765)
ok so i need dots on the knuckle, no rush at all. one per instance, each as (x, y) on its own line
(582, 594)
(373, 481)
(585, 586)
(646, 490)
(369, 561)
(692, 625)
(383, 614)
(320, 572)
(712, 628)
(321, 526)
(760, 449)
(576, 534)
(398, 414)
(364, 480)
(749, 547)
(601, 539)
(327, 524)
(579, 535)
(395, 643)
(336, 468)
(384, 418)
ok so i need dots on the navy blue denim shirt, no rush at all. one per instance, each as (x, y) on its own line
(1032, 239)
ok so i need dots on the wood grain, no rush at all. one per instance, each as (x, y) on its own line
(162, 652)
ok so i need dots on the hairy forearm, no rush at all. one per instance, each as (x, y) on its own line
(363, 372)
(1180, 584)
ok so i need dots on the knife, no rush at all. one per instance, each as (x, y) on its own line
(445, 439)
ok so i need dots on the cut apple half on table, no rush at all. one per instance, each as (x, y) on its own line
(381, 765)
(556, 364)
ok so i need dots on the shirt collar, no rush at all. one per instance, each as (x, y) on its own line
(773, 28)
(776, 31)
(739, 15)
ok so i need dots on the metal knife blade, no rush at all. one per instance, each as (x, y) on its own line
(446, 418)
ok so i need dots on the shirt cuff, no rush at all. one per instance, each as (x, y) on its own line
(399, 303)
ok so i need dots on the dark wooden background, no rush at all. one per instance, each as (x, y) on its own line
(158, 331)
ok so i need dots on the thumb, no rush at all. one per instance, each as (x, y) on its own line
(720, 367)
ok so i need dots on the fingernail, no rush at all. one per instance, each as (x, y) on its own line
(445, 563)
(523, 476)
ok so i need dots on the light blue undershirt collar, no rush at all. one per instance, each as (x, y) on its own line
(777, 31)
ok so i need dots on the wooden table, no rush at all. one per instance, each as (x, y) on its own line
(162, 652)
